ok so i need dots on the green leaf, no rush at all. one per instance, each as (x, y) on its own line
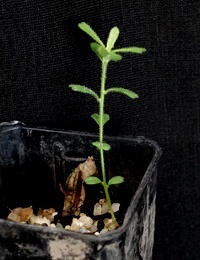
(92, 180)
(116, 180)
(84, 89)
(87, 29)
(137, 50)
(95, 46)
(100, 50)
(106, 118)
(114, 57)
(101, 146)
(124, 91)
(113, 35)
(96, 118)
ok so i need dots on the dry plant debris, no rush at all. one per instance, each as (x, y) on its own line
(74, 190)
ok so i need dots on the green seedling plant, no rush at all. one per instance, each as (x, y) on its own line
(105, 53)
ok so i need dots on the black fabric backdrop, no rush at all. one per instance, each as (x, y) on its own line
(43, 51)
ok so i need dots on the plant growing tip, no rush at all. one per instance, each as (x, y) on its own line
(105, 53)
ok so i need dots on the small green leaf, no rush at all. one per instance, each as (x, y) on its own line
(96, 118)
(137, 50)
(114, 57)
(101, 146)
(106, 118)
(116, 180)
(113, 35)
(92, 180)
(124, 91)
(100, 51)
(84, 89)
(103, 52)
(95, 48)
(87, 29)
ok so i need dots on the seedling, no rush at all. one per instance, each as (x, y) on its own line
(106, 53)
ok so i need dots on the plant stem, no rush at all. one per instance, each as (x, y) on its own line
(102, 97)
(101, 131)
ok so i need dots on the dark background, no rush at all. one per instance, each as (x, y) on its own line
(43, 51)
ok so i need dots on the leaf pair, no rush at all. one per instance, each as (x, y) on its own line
(97, 118)
(102, 146)
(86, 90)
(113, 181)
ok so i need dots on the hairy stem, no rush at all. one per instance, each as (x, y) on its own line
(101, 131)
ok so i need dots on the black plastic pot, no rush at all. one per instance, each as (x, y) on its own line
(33, 161)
